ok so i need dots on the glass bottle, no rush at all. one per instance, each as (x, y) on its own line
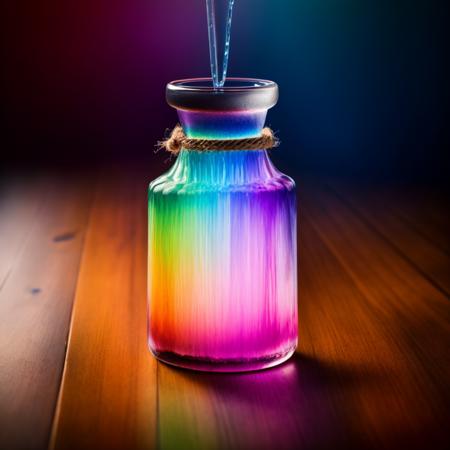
(222, 263)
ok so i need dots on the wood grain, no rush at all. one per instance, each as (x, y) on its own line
(415, 315)
(423, 207)
(373, 362)
(39, 273)
(20, 201)
(379, 208)
(108, 393)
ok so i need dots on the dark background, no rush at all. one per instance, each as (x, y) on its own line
(363, 84)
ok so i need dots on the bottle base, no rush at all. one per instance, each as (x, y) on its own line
(220, 365)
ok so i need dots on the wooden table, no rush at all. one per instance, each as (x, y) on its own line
(373, 364)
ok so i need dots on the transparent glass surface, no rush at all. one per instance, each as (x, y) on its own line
(222, 263)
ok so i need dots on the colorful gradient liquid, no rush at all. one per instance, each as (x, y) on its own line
(222, 254)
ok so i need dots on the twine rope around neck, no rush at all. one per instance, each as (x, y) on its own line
(178, 140)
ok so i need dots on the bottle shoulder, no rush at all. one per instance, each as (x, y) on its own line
(165, 184)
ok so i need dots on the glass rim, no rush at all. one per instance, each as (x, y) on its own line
(231, 84)
(236, 95)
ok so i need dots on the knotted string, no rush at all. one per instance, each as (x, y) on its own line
(178, 140)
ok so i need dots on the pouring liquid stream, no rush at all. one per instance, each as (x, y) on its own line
(219, 14)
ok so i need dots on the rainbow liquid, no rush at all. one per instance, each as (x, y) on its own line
(222, 253)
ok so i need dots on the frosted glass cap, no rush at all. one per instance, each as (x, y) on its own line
(238, 94)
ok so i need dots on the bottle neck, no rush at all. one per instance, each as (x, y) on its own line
(227, 167)
(222, 124)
